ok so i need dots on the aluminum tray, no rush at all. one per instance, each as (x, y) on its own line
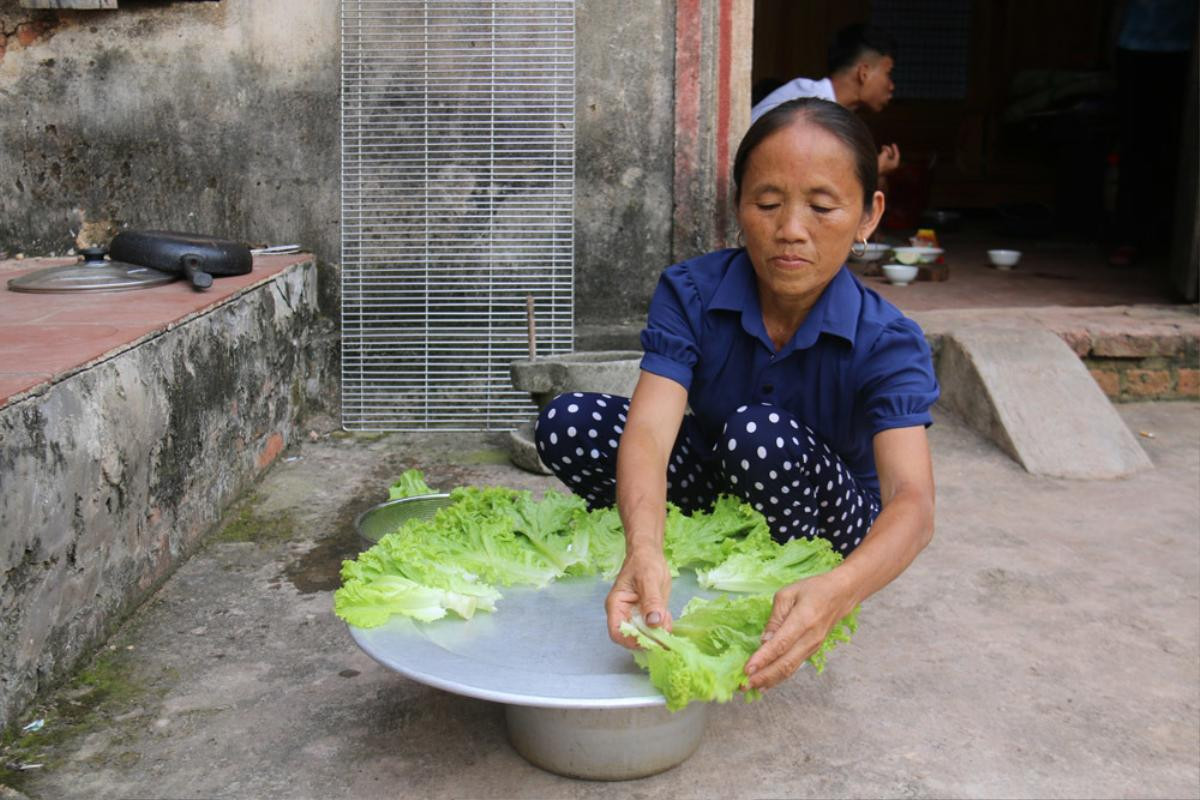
(541, 647)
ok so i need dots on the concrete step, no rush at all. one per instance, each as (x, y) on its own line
(1027, 390)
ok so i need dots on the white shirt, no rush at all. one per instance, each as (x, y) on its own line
(800, 87)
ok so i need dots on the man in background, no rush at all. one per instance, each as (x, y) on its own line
(860, 74)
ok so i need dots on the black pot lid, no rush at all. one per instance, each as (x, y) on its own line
(93, 274)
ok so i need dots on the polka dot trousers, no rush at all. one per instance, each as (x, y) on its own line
(764, 455)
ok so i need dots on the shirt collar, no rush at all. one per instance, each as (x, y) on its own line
(737, 288)
(836, 310)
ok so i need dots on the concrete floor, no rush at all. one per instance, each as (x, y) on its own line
(1045, 645)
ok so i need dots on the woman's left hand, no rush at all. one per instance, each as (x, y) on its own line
(805, 612)
(801, 618)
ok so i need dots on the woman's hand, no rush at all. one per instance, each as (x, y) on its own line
(801, 618)
(805, 612)
(643, 584)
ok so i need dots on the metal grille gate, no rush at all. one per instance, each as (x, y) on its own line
(458, 143)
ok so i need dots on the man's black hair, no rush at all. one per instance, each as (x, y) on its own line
(852, 42)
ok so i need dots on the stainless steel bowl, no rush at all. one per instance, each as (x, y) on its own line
(378, 521)
(617, 744)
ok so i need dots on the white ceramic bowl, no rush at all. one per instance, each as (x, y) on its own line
(918, 255)
(875, 252)
(900, 274)
(1004, 259)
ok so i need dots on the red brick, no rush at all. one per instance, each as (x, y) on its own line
(27, 34)
(1147, 382)
(270, 450)
(1123, 345)
(30, 32)
(1078, 340)
(1110, 381)
(1189, 383)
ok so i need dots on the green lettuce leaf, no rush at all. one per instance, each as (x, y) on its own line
(547, 525)
(682, 669)
(601, 536)
(410, 484)
(771, 570)
(489, 537)
(707, 539)
(370, 605)
(703, 658)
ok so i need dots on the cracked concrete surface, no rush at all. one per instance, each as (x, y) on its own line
(1045, 645)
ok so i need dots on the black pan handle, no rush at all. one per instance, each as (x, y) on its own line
(192, 268)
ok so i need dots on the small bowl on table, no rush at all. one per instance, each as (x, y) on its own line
(1004, 259)
(918, 255)
(875, 252)
(900, 274)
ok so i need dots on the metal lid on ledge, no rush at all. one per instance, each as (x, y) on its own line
(94, 274)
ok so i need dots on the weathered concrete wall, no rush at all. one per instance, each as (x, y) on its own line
(109, 477)
(625, 124)
(219, 118)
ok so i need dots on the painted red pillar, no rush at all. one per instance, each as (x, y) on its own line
(712, 111)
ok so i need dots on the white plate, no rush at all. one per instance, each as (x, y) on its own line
(540, 647)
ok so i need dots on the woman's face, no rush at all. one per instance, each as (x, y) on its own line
(801, 208)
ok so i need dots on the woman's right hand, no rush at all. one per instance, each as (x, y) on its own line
(643, 585)
(644, 582)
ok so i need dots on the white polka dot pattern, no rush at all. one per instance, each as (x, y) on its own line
(772, 454)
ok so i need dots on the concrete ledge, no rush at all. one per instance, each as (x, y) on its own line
(1028, 392)
(1143, 352)
(1133, 352)
(111, 475)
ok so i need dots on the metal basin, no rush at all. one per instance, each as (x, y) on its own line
(606, 745)
(378, 521)
(576, 704)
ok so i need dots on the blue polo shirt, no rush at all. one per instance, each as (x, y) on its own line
(855, 367)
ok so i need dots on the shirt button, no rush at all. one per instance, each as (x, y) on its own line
(768, 388)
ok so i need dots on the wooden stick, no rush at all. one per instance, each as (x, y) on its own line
(532, 327)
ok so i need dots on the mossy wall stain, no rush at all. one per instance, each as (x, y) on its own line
(246, 523)
(202, 382)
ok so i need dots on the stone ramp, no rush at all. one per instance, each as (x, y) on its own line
(1027, 391)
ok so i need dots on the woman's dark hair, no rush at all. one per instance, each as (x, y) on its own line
(842, 123)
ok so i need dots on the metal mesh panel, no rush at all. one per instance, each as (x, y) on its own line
(458, 143)
(933, 38)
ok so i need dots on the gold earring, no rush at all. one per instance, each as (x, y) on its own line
(856, 250)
